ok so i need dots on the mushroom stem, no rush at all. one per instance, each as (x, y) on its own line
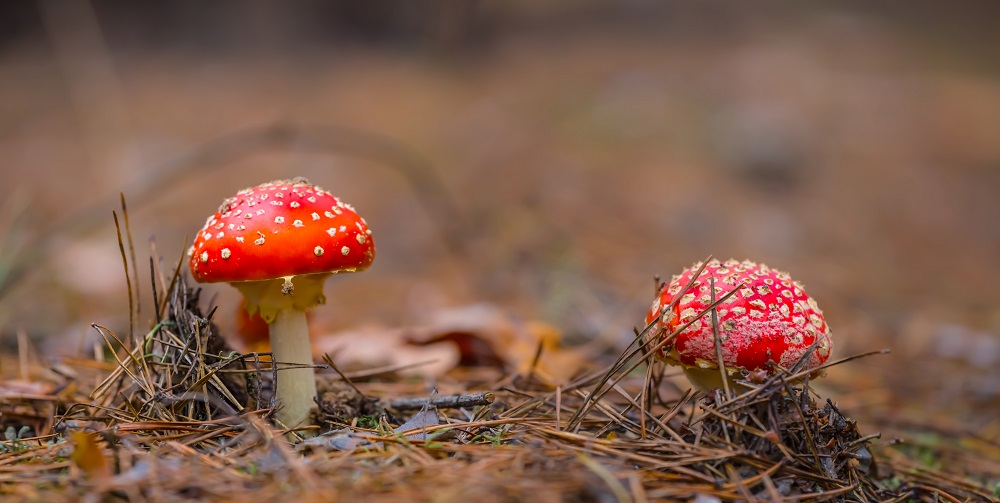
(296, 387)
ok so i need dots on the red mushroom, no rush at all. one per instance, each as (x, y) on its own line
(277, 243)
(770, 320)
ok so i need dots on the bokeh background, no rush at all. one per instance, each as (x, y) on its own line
(544, 158)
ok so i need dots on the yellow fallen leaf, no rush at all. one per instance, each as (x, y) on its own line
(88, 456)
(557, 363)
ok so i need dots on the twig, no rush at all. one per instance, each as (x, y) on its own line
(717, 337)
(444, 402)
(128, 280)
(135, 264)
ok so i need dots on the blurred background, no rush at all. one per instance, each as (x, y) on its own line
(543, 158)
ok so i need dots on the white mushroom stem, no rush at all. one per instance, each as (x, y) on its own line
(296, 387)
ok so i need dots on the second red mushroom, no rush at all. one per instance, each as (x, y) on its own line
(770, 322)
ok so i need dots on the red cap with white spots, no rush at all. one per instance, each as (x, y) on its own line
(278, 242)
(771, 318)
(279, 229)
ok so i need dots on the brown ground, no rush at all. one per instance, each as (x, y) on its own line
(586, 148)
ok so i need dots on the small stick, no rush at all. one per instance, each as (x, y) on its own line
(135, 265)
(718, 341)
(534, 361)
(444, 402)
(128, 280)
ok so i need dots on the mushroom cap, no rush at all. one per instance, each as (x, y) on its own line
(771, 318)
(280, 229)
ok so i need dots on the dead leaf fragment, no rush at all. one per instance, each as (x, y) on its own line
(87, 455)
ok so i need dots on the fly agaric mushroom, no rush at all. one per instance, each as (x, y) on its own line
(769, 321)
(277, 243)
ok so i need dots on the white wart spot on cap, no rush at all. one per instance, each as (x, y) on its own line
(361, 239)
(315, 216)
(318, 251)
(259, 241)
(344, 251)
(824, 347)
(331, 231)
(297, 223)
(226, 253)
(279, 220)
(203, 256)
(294, 204)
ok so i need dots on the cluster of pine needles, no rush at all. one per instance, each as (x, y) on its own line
(175, 415)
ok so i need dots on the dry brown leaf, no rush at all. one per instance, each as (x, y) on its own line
(373, 346)
(485, 335)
